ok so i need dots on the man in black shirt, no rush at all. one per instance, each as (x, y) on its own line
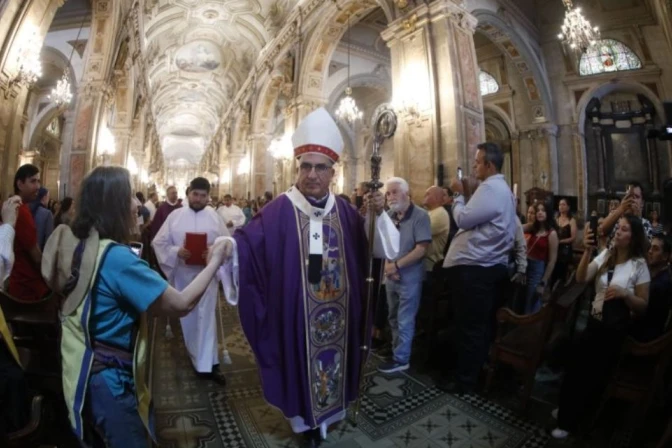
(657, 318)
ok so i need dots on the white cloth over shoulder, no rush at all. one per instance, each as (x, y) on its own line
(6, 252)
(200, 325)
(228, 273)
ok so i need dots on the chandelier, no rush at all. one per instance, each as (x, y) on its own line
(577, 31)
(62, 93)
(347, 110)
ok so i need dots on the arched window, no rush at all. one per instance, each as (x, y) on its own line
(489, 84)
(608, 55)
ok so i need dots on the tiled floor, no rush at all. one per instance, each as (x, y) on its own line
(399, 410)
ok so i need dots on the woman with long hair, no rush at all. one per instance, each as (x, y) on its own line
(621, 280)
(542, 252)
(108, 290)
(566, 234)
(66, 212)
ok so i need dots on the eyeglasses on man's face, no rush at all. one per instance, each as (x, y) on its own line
(320, 168)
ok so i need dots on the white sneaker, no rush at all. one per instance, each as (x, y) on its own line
(554, 413)
(559, 434)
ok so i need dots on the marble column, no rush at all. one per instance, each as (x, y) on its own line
(66, 148)
(238, 184)
(515, 162)
(436, 92)
(261, 170)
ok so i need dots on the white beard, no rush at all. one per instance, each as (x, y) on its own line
(398, 206)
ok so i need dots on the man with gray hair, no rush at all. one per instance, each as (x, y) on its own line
(477, 262)
(404, 274)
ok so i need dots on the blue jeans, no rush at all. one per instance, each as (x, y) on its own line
(115, 418)
(535, 272)
(403, 300)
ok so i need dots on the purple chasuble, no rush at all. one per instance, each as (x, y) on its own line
(160, 217)
(306, 337)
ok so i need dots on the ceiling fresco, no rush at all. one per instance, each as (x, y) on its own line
(197, 55)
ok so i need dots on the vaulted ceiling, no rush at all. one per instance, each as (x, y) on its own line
(197, 55)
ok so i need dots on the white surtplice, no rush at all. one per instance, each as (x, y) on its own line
(200, 325)
(232, 214)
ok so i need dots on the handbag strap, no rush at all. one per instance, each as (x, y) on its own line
(74, 270)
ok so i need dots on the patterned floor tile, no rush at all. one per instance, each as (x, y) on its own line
(398, 410)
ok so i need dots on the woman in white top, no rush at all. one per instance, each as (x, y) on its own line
(621, 290)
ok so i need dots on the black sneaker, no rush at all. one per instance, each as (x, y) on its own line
(391, 367)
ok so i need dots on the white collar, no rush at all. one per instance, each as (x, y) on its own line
(315, 214)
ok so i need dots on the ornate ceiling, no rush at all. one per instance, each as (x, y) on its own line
(197, 54)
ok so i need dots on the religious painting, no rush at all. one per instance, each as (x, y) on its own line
(511, 49)
(627, 156)
(532, 90)
(198, 57)
(470, 84)
(606, 56)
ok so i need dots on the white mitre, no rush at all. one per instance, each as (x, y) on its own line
(318, 134)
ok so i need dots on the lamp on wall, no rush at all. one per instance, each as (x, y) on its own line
(61, 95)
(410, 97)
(106, 145)
(28, 59)
(577, 31)
(347, 110)
(244, 165)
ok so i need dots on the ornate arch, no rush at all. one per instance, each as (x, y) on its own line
(521, 55)
(328, 33)
(600, 91)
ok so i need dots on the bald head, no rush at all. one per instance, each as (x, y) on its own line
(434, 197)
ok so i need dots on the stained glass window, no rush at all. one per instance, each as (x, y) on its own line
(54, 127)
(608, 55)
(489, 84)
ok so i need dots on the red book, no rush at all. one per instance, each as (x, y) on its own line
(197, 244)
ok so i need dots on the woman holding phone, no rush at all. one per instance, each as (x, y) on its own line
(108, 291)
(621, 280)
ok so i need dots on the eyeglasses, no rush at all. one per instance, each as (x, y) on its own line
(320, 168)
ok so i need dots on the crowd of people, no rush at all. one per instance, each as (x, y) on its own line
(296, 266)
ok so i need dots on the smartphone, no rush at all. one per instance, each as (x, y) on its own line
(136, 248)
(459, 173)
(593, 226)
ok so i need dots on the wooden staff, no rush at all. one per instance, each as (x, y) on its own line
(384, 127)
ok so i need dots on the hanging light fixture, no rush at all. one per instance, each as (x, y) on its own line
(577, 31)
(61, 95)
(347, 110)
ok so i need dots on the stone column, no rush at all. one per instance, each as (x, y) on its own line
(436, 91)
(238, 185)
(261, 171)
(515, 162)
(66, 148)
